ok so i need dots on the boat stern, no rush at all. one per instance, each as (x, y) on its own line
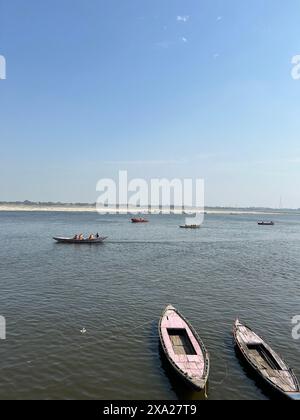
(295, 396)
(198, 384)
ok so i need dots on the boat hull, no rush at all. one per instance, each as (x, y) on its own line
(266, 224)
(190, 227)
(294, 396)
(82, 242)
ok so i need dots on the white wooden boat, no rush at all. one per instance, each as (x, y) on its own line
(265, 362)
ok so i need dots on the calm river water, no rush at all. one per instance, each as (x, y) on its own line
(117, 291)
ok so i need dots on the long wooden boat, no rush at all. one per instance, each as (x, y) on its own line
(265, 362)
(184, 349)
(266, 223)
(80, 242)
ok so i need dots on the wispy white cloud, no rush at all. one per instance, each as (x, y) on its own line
(219, 18)
(184, 40)
(183, 19)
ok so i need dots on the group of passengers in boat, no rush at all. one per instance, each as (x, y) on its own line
(92, 237)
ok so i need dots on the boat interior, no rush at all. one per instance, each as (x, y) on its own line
(181, 342)
(263, 356)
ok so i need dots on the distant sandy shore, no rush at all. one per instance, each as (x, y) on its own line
(93, 209)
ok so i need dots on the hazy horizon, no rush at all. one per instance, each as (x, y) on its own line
(62, 203)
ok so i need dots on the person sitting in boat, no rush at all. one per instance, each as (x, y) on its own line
(81, 238)
(91, 237)
(76, 237)
(97, 236)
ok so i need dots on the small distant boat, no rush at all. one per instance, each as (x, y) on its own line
(139, 220)
(265, 362)
(266, 223)
(184, 349)
(190, 227)
(80, 242)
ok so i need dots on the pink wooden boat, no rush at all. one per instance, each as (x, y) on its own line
(184, 349)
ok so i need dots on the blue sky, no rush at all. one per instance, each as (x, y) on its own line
(162, 88)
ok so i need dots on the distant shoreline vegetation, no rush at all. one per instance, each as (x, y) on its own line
(32, 205)
(44, 203)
